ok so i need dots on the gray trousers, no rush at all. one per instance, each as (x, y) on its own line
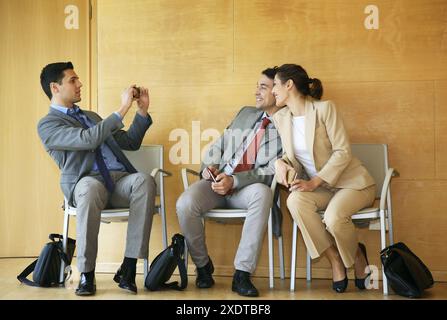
(135, 191)
(199, 198)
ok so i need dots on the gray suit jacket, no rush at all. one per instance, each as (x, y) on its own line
(223, 150)
(73, 148)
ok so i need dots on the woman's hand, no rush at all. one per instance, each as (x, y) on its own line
(281, 172)
(305, 185)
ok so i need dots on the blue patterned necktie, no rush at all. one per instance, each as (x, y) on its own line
(102, 167)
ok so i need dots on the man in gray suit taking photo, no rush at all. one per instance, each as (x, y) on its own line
(95, 173)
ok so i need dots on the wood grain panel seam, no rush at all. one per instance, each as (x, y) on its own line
(420, 180)
(19, 257)
(89, 53)
(243, 83)
(435, 128)
(387, 81)
(234, 37)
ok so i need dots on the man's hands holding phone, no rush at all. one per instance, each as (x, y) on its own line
(221, 184)
(131, 94)
(210, 173)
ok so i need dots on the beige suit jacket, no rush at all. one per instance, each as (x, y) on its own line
(328, 144)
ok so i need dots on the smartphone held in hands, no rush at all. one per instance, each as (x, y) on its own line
(211, 174)
(136, 92)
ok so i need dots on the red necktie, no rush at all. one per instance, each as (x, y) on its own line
(249, 158)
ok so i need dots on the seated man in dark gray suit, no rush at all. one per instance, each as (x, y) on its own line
(95, 173)
(242, 160)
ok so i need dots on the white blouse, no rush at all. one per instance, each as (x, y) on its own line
(300, 148)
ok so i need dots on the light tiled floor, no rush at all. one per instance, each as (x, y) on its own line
(11, 289)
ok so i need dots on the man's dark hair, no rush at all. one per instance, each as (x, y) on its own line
(53, 72)
(270, 72)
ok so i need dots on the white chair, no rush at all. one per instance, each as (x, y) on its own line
(375, 158)
(222, 215)
(147, 159)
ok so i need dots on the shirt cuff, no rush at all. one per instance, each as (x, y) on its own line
(235, 182)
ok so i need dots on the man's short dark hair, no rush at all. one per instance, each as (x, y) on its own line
(53, 72)
(270, 72)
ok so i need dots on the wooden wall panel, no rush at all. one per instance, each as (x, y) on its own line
(420, 220)
(32, 35)
(201, 61)
(329, 37)
(441, 128)
(400, 114)
(170, 42)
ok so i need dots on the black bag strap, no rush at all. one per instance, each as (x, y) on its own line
(183, 274)
(183, 277)
(60, 251)
(25, 273)
(178, 243)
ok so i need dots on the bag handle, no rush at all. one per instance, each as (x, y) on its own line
(53, 236)
(178, 242)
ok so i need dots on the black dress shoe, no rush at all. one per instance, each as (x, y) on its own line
(360, 283)
(87, 284)
(204, 276)
(340, 286)
(242, 284)
(125, 277)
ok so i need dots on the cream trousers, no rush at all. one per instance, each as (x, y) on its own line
(339, 206)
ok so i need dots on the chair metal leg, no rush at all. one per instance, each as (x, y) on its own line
(186, 256)
(390, 218)
(146, 268)
(271, 262)
(383, 245)
(64, 241)
(164, 229)
(293, 262)
(385, 282)
(308, 267)
(282, 270)
(282, 267)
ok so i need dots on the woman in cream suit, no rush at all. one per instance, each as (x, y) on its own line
(316, 145)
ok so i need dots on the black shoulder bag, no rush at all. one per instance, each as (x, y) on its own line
(46, 269)
(407, 274)
(164, 264)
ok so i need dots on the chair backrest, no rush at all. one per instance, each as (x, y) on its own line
(146, 159)
(375, 159)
